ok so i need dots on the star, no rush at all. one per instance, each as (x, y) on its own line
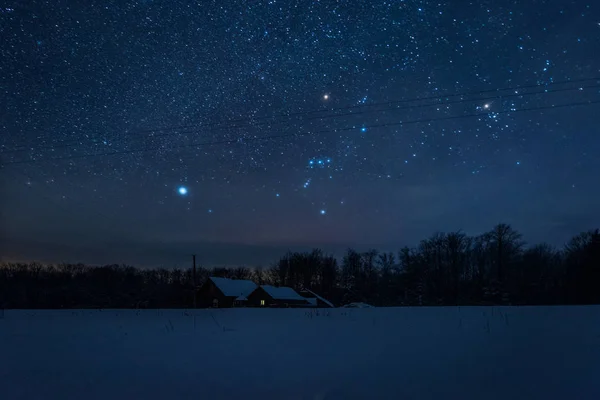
(253, 128)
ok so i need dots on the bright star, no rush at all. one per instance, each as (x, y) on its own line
(182, 190)
(486, 106)
(363, 129)
(323, 212)
(325, 97)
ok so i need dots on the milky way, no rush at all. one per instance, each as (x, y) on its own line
(171, 124)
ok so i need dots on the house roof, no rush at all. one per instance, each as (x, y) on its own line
(282, 293)
(330, 304)
(312, 300)
(234, 287)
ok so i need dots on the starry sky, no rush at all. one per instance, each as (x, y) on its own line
(145, 131)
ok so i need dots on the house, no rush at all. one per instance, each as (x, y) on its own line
(224, 292)
(272, 296)
(315, 299)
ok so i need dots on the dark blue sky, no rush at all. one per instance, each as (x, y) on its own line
(108, 109)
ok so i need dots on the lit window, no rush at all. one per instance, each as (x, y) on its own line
(262, 302)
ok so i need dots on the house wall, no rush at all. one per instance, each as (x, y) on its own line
(257, 295)
(295, 303)
(322, 304)
(208, 292)
(260, 294)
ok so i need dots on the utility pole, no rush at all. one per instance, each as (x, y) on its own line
(194, 278)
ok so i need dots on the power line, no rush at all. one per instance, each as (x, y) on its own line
(499, 97)
(220, 125)
(296, 135)
(460, 101)
(414, 99)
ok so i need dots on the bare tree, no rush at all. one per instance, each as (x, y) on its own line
(458, 247)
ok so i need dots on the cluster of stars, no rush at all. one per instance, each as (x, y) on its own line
(216, 112)
(319, 163)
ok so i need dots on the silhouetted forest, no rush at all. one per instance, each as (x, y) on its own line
(445, 269)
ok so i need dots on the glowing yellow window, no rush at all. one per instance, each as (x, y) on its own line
(262, 302)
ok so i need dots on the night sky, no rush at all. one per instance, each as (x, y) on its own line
(145, 131)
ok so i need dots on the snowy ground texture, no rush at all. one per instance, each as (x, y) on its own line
(379, 353)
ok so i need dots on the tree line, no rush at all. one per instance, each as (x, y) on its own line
(445, 269)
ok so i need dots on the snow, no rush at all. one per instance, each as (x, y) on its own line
(372, 353)
(234, 287)
(282, 293)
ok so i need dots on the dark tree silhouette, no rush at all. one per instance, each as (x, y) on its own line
(445, 269)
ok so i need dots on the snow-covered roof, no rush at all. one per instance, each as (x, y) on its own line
(311, 300)
(234, 287)
(282, 293)
(330, 304)
(241, 298)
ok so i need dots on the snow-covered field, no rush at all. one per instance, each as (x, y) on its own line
(378, 353)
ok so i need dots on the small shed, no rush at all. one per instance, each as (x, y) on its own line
(358, 305)
(272, 296)
(315, 299)
(223, 292)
